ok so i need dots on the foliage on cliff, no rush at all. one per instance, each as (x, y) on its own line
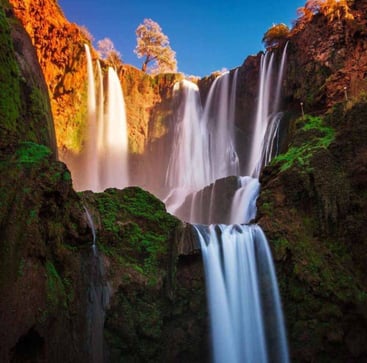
(312, 208)
(24, 98)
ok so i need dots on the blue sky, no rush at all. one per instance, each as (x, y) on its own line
(206, 35)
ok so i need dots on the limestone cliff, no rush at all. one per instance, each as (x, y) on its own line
(24, 105)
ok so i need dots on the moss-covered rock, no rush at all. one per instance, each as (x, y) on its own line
(43, 234)
(311, 208)
(155, 288)
(24, 106)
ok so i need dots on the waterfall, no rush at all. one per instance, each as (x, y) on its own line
(243, 298)
(203, 149)
(115, 142)
(246, 318)
(93, 229)
(190, 147)
(267, 115)
(243, 208)
(218, 117)
(103, 162)
(89, 178)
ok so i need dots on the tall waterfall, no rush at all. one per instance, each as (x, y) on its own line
(245, 310)
(267, 114)
(246, 318)
(90, 175)
(203, 149)
(190, 147)
(115, 142)
(103, 162)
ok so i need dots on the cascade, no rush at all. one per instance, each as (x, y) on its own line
(99, 292)
(243, 298)
(246, 318)
(267, 115)
(190, 147)
(103, 162)
(218, 116)
(243, 208)
(114, 145)
(203, 148)
(92, 228)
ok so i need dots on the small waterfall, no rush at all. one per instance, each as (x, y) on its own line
(115, 142)
(243, 208)
(241, 292)
(99, 293)
(92, 227)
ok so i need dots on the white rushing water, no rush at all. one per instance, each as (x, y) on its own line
(243, 208)
(190, 147)
(89, 177)
(246, 317)
(103, 162)
(114, 149)
(242, 295)
(203, 149)
(267, 113)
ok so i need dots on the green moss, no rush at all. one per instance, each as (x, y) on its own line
(29, 153)
(55, 288)
(136, 229)
(320, 136)
(10, 102)
(59, 290)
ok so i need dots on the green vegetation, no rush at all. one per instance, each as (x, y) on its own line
(9, 79)
(29, 153)
(136, 229)
(319, 136)
(59, 290)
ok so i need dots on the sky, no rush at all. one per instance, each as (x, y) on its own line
(207, 36)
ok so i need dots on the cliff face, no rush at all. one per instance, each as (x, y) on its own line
(24, 106)
(312, 208)
(60, 50)
(327, 60)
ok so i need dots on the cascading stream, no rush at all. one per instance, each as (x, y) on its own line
(243, 298)
(246, 318)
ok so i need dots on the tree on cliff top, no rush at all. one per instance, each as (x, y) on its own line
(275, 36)
(331, 9)
(108, 52)
(153, 44)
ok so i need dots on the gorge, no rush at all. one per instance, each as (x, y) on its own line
(151, 289)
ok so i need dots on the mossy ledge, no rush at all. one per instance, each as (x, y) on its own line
(312, 206)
